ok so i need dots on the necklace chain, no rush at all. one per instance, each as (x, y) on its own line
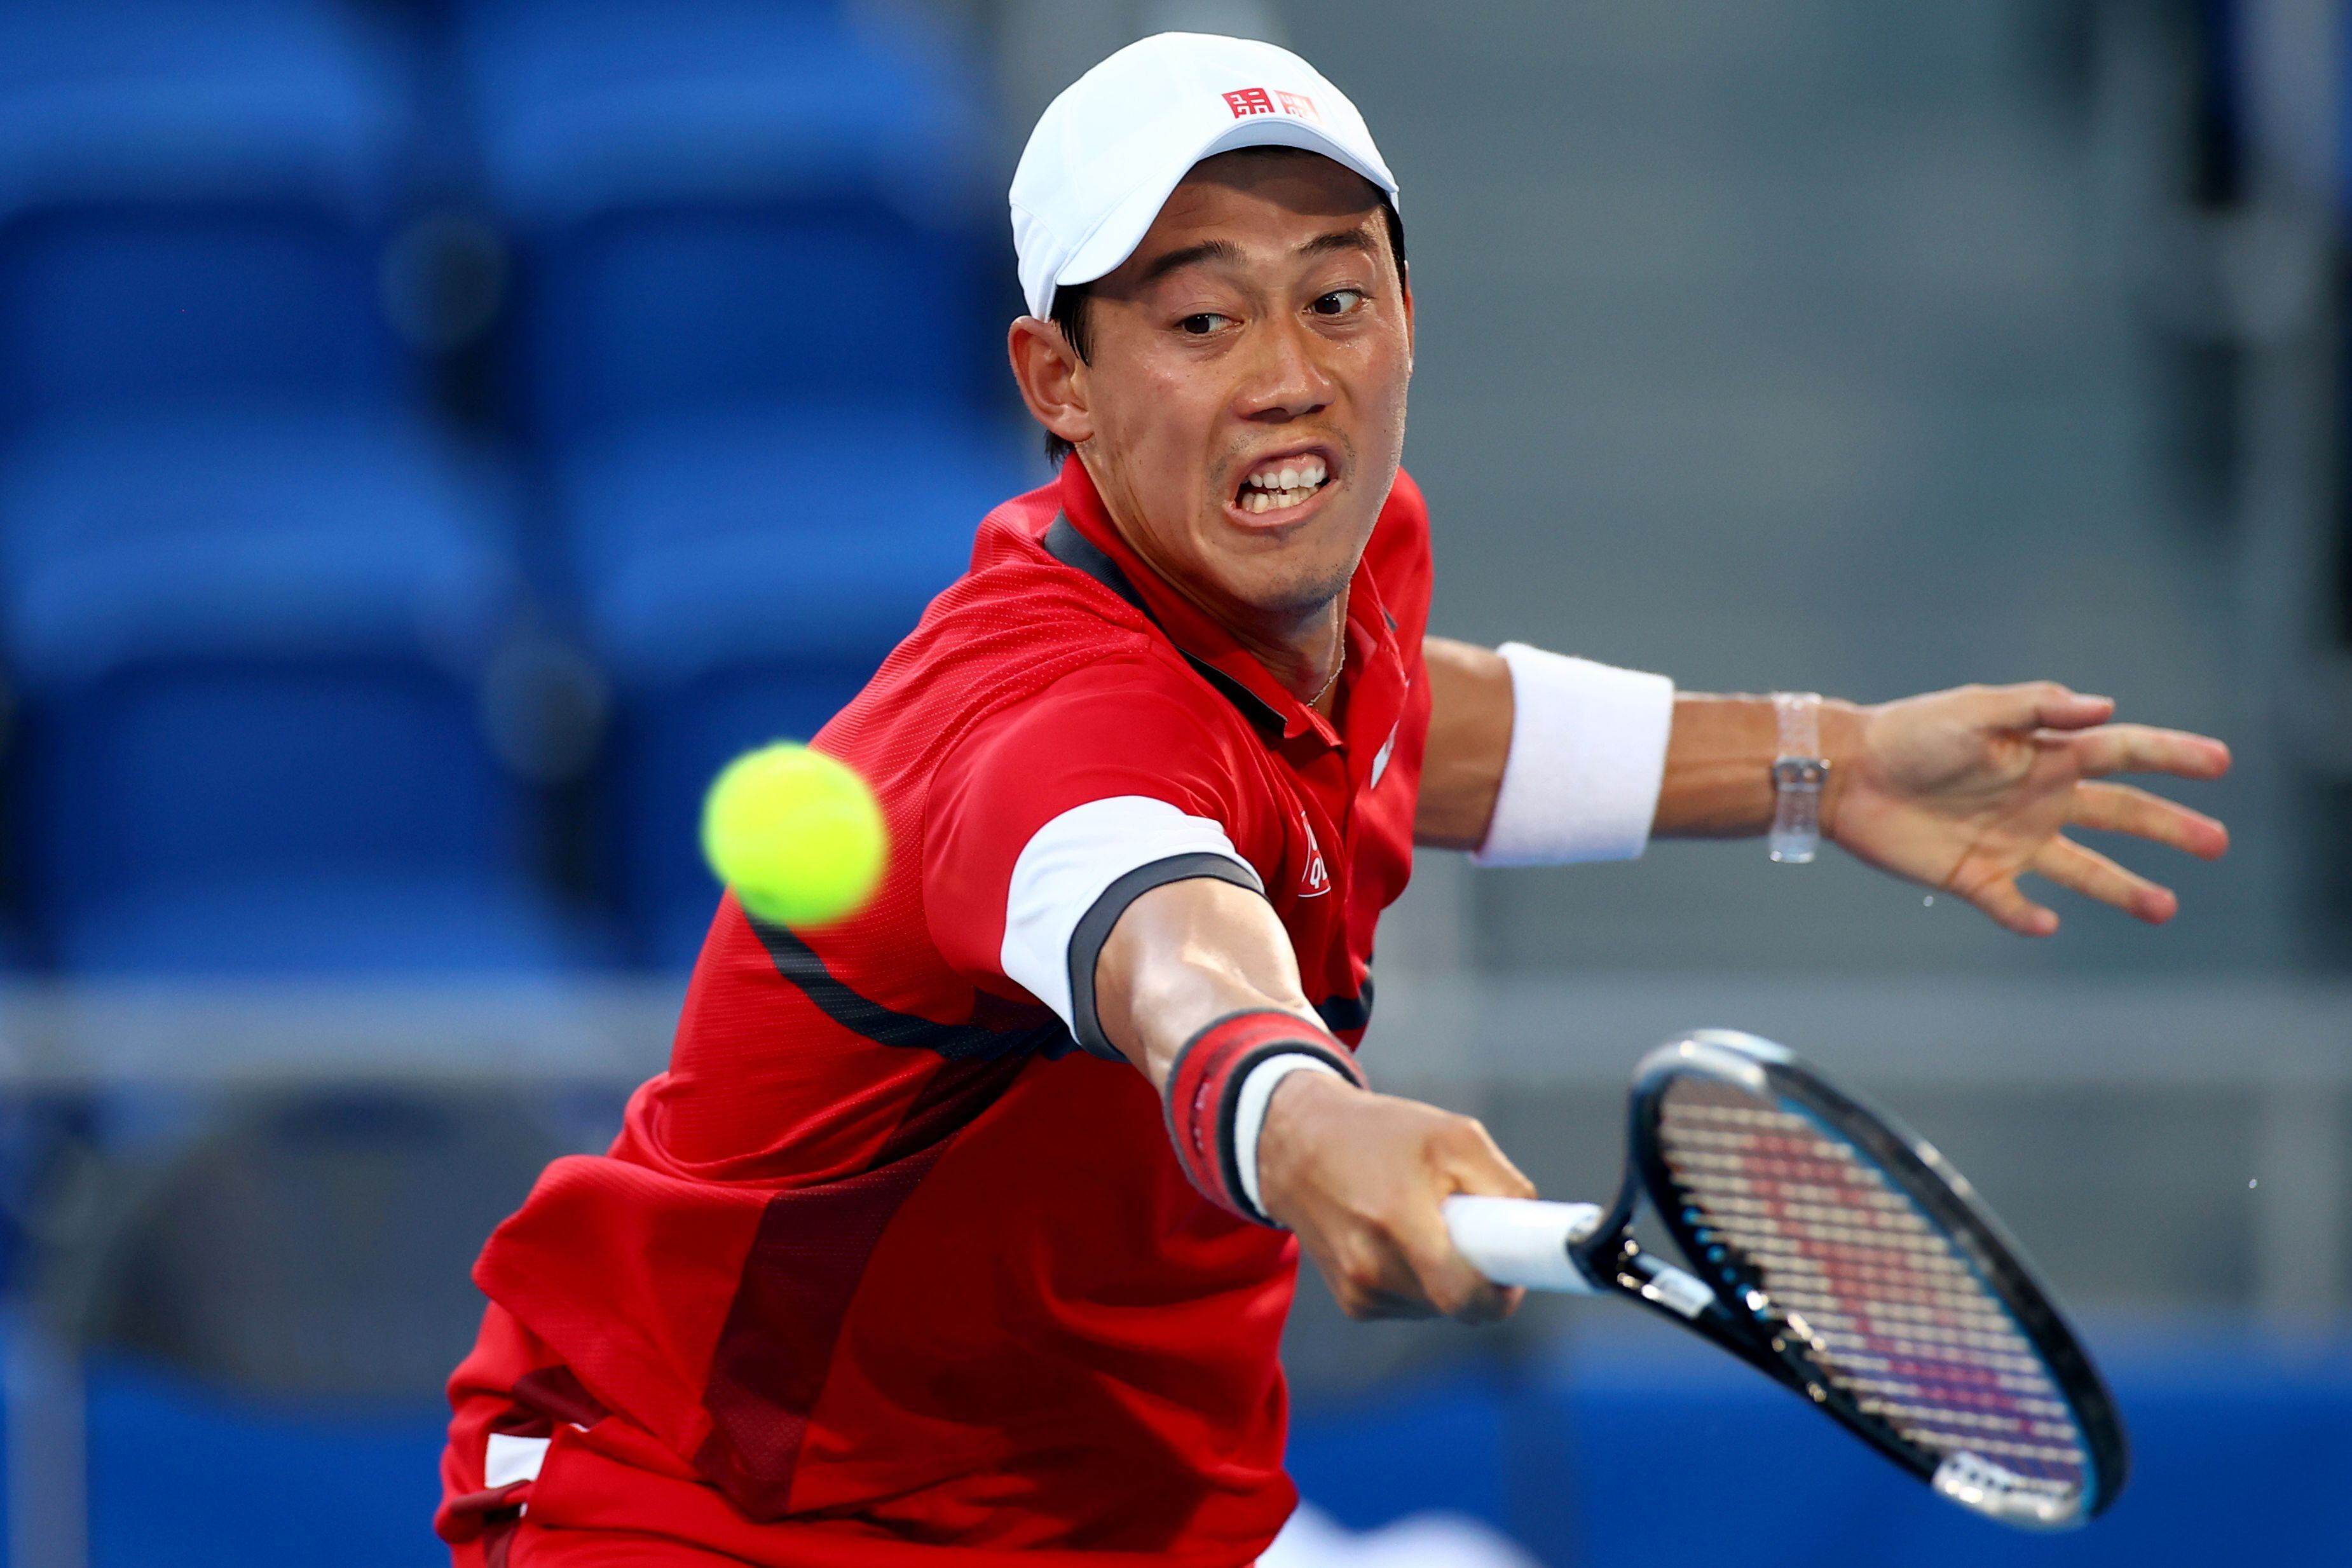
(1338, 662)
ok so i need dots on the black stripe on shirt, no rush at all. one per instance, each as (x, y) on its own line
(1094, 929)
(797, 962)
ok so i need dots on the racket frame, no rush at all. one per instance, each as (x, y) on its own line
(1746, 1323)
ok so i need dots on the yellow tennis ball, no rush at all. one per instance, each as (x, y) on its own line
(796, 833)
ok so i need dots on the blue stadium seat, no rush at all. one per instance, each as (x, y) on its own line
(739, 590)
(116, 307)
(747, 268)
(249, 653)
(193, 200)
(590, 106)
(727, 202)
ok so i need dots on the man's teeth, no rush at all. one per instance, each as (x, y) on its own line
(1279, 489)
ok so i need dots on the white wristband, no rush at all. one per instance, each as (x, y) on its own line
(1588, 755)
(1249, 1111)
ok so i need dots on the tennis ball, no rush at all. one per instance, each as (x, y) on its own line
(796, 833)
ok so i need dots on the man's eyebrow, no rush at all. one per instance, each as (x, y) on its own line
(1357, 238)
(1175, 260)
(1361, 237)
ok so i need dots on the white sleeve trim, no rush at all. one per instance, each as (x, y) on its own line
(1067, 867)
(1249, 1111)
(1588, 756)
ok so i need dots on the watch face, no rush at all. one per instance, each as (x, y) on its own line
(1807, 774)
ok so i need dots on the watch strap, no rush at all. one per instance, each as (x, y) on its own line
(1799, 772)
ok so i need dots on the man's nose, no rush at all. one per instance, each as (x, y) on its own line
(1287, 379)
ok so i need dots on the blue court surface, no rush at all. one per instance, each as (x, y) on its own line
(1610, 1455)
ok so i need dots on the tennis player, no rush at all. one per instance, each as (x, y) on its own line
(967, 1226)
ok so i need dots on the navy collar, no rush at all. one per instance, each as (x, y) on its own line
(1072, 549)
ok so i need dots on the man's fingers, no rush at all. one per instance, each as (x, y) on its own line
(1459, 1290)
(1480, 1168)
(2123, 809)
(2046, 704)
(2012, 909)
(2142, 749)
(1414, 1271)
(1374, 1304)
(1469, 1162)
(1454, 1284)
(1389, 1253)
(2094, 875)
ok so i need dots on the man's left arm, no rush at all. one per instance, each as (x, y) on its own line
(1963, 790)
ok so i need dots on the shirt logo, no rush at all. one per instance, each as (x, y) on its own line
(1317, 882)
(1380, 758)
(1252, 101)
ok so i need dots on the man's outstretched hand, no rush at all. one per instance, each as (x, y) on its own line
(1359, 1178)
(1964, 791)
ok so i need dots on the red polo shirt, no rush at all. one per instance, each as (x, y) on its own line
(892, 1264)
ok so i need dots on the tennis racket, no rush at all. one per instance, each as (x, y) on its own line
(1840, 1256)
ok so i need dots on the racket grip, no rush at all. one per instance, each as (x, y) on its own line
(1522, 1240)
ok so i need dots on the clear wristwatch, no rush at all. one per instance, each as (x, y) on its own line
(1798, 774)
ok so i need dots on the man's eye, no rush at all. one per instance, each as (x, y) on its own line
(1340, 302)
(1201, 326)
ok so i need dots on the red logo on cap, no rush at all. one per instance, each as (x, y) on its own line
(1252, 101)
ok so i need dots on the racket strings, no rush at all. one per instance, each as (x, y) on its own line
(1890, 1312)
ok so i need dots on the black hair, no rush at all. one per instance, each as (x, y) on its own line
(1069, 314)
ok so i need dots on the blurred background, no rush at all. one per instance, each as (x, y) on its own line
(435, 434)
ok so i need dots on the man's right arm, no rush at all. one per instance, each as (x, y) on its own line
(1358, 1176)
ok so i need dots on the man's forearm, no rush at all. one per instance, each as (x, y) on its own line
(1720, 755)
(1469, 741)
(1184, 955)
(1358, 1176)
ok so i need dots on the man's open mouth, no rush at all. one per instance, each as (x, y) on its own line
(1281, 483)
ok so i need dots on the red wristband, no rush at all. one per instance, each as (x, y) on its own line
(1204, 1085)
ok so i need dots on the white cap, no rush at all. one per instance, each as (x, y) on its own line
(1106, 153)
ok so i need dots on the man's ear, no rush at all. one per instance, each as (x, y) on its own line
(1052, 378)
(1404, 285)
